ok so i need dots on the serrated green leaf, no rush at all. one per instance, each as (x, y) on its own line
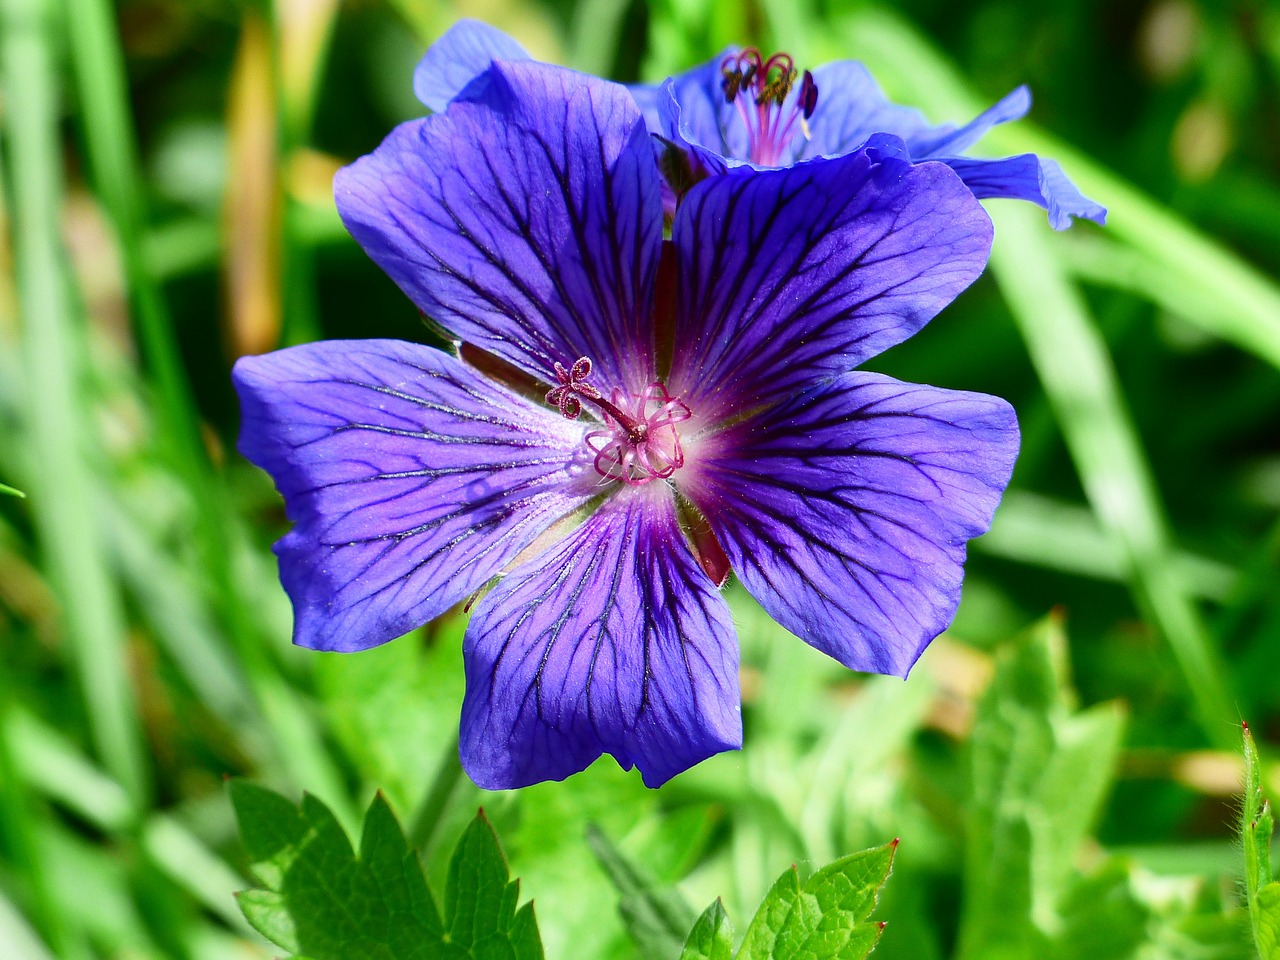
(526, 944)
(394, 866)
(655, 918)
(480, 901)
(711, 937)
(321, 900)
(269, 914)
(824, 918)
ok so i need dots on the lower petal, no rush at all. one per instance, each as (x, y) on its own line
(613, 641)
(845, 510)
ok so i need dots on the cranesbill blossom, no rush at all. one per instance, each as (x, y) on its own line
(742, 111)
(627, 417)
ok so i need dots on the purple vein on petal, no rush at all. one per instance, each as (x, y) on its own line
(613, 641)
(526, 219)
(411, 480)
(792, 275)
(845, 510)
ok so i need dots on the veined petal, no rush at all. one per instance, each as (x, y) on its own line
(613, 641)
(792, 275)
(690, 108)
(526, 219)
(463, 53)
(411, 480)
(1027, 177)
(845, 510)
(851, 107)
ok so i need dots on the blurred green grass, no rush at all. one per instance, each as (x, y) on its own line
(165, 170)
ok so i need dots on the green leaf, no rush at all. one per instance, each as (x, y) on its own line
(10, 491)
(711, 937)
(480, 902)
(1102, 919)
(319, 899)
(1266, 927)
(825, 918)
(656, 919)
(1256, 827)
(1039, 775)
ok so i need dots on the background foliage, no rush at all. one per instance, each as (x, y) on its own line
(165, 168)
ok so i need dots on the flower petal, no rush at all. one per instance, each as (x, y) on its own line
(690, 108)
(411, 480)
(851, 107)
(791, 275)
(463, 53)
(1027, 177)
(845, 510)
(613, 641)
(526, 219)
(948, 141)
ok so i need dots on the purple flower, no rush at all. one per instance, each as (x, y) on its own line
(627, 417)
(742, 111)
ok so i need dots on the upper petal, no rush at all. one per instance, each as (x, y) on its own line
(463, 53)
(613, 641)
(1027, 177)
(410, 478)
(845, 510)
(851, 107)
(790, 275)
(526, 219)
(948, 141)
(692, 108)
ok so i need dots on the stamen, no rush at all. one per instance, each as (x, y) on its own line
(769, 119)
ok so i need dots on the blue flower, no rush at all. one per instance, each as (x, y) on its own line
(627, 417)
(742, 111)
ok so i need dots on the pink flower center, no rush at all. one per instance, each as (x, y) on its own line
(759, 88)
(639, 442)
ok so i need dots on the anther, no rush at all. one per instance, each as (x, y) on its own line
(808, 95)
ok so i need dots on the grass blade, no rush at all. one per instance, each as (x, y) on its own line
(1073, 365)
(68, 528)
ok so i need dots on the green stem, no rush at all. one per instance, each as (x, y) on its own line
(430, 813)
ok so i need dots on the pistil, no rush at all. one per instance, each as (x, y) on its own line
(636, 447)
